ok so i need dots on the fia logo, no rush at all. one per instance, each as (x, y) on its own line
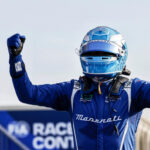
(19, 129)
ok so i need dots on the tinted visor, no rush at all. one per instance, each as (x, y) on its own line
(98, 53)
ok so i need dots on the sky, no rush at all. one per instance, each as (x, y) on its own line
(54, 30)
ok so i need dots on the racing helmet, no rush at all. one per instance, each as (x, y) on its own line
(103, 53)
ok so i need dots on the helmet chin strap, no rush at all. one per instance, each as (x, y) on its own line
(101, 79)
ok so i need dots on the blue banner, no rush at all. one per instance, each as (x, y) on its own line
(37, 130)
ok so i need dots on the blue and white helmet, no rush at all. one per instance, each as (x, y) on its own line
(103, 52)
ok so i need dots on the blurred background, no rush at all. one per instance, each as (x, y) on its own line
(54, 29)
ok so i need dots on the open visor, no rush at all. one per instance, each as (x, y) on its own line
(101, 46)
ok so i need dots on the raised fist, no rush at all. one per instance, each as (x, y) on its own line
(15, 44)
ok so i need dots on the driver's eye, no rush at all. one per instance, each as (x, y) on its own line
(104, 57)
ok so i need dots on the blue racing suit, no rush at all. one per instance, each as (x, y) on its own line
(94, 116)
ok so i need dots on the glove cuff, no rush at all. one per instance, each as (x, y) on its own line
(17, 66)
